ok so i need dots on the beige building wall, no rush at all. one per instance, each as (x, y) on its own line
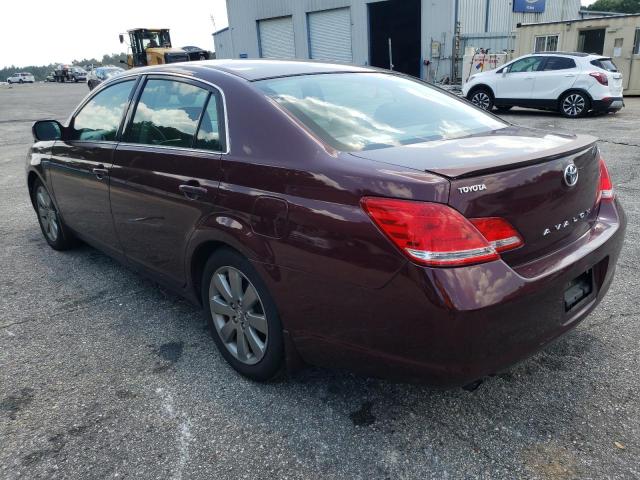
(623, 29)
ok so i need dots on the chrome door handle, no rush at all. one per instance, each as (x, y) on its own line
(100, 172)
(570, 75)
(192, 192)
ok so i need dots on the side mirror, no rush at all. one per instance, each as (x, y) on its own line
(46, 130)
(121, 37)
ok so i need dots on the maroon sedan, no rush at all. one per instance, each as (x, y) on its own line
(338, 215)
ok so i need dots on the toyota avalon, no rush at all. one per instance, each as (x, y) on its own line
(336, 215)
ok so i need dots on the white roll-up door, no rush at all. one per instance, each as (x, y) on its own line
(276, 38)
(330, 35)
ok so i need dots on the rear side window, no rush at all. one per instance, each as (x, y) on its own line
(167, 114)
(605, 64)
(100, 118)
(559, 63)
(211, 134)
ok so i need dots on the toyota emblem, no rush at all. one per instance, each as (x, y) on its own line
(571, 175)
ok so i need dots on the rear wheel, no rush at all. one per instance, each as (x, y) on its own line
(481, 97)
(242, 315)
(53, 229)
(574, 105)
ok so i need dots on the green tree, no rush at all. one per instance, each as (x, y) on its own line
(619, 6)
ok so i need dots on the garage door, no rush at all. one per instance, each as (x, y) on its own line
(330, 35)
(276, 38)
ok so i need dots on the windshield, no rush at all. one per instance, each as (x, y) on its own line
(155, 39)
(363, 111)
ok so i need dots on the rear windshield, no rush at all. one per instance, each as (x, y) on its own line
(605, 64)
(364, 111)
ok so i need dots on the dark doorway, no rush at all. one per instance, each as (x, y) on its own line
(591, 41)
(398, 20)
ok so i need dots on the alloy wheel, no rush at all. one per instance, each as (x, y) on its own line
(573, 105)
(482, 100)
(238, 315)
(47, 213)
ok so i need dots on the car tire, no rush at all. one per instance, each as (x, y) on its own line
(53, 228)
(504, 108)
(482, 98)
(574, 104)
(249, 336)
(20, 81)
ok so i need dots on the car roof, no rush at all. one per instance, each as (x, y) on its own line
(261, 69)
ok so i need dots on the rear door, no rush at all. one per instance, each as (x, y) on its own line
(557, 75)
(166, 172)
(80, 164)
(516, 81)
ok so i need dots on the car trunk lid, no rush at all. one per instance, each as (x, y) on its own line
(518, 175)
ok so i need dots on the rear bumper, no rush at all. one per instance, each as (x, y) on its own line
(452, 326)
(610, 104)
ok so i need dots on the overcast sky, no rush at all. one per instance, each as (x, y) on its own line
(39, 32)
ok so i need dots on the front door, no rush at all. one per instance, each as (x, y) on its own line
(80, 165)
(166, 172)
(516, 80)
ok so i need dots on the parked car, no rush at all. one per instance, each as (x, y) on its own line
(78, 74)
(100, 74)
(22, 77)
(333, 214)
(197, 53)
(570, 83)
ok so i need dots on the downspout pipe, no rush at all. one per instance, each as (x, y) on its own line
(487, 4)
(453, 41)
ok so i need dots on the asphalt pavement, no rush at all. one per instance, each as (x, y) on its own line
(105, 375)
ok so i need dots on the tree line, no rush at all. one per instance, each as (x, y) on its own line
(618, 6)
(40, 72)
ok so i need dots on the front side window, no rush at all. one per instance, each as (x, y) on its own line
(559, 63)
(167, 114)
(529, 64)
(363, 111)
(100, 118)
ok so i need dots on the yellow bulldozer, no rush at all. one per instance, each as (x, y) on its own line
(152, 46)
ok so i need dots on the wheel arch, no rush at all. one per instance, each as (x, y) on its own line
(483, 86)
(571, 90)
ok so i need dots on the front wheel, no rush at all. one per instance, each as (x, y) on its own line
(574, 105)
(481, 97)
(53, 229)
(243, 317)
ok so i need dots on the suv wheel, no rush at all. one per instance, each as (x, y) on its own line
(574, 105)
(242, 315)
(481, 97)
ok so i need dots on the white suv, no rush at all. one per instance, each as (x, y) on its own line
(24, 77)
(571, 83)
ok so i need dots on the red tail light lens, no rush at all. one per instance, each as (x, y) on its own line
(500, 234)
(600, 77)
(606, 186)
(434, 234)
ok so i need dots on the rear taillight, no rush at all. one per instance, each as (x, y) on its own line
(437, 235)
(500, 234)
(606, 186)
(600, 77)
